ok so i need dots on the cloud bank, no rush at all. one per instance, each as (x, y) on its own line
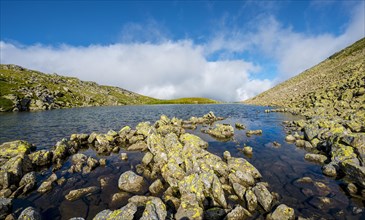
(166, 69)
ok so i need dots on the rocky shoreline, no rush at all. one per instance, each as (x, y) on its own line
(176, 179)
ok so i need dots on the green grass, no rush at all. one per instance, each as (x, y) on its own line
(191, 100)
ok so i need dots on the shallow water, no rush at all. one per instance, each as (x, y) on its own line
(280, 167)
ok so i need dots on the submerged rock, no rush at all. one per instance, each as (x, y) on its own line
(5, 207)
(318, 158)
(78, 193)
(47, 184)
(253, 132)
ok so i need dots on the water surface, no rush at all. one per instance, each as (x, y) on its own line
(280, 167)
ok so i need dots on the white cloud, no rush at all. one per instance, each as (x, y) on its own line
(293, 51)
(164, 70)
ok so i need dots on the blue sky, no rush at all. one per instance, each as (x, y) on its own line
(226, 50)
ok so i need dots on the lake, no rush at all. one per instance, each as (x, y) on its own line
(279, 166)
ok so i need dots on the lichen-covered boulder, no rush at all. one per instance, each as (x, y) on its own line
(41, 158)
(30, 213)
(193, 140)
(14, 148)
(78, 193)
(263, 195)
(238, 213)
(221, 131)
(133, 183)
(155, 209)
(5, 207)
(282, 212)
(139, 146)
(126, 213)
(28, 182)
(156, 187)
(354, 171)
(47, 184)
(189, 208)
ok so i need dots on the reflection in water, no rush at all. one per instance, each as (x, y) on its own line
(280, 166)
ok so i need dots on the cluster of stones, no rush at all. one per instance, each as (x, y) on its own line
(339, 149)
(177, 178)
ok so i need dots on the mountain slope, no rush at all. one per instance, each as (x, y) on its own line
(337, 82)
(23, 90)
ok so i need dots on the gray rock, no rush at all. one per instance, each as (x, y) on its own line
(290, 138)
(215, 213)
(5, 207)
(240, 126)
(155, 209)
(119, 197)
(238, 213)
(282, 212)
(79, 158)
(47, 184)
(139, 146)
(226, 155)
(239, 190)
(156, 187)
(131, 182)
(354, 171)
(251, 200)
(41, 158)
(125, 213)
(78, 193)
(253, 132)
(30, 213)
(310, 132)
(247, 150)
(28, 182)
(263, 195)
(329, 170)
(147, 158)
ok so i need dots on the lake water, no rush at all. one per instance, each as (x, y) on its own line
(280, 167)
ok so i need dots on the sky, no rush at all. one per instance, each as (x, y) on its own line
(224, 50)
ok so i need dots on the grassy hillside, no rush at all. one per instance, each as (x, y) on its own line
(23, 90)
(337, 82)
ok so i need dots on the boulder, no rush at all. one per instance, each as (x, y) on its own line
(14, 148)
(282, 212)
(41, 158)
(263, 195)
(47, 184)
(156, 187)
(120, 197)
(193, 141)
(221, 131)
(5, 207)
(30, 213)
(143, 128)
(28, 182)
(189, 208)
(133, 183)
(251, 200)
(238, 213)
(310, 131)
(139, 146)
(247, 150)
(78, 193)
(147, 158)
(329, 170)
(126, 213)
(155, 209)
(354, 171)
(290, 139)
(215, 213)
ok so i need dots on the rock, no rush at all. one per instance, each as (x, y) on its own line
(247, 150)
(156, 187)
(92, 163)
(320, 202)
(193, 141)
(133, 183)
(253, 132)
(147, 158)
(78, 193)
(47, 184)
(226, 155)
(221, 131)
(239, 190)
(240, 126)
(189, 208)
(310, 132)
(28, 182)
(263, 195)
(123, 156)
(143, 128)
(290, 138)
(136, 138)
(245, 178)
(112, 133)
(30, 213)
(304, 180)
(79, 158)
(282, 212)
(14, 148)
(215, 213)
(351, 188)
(251, 200)
(318, 158)
(139, 146)
(276, 144)
(5, 207)
(102, 162)
(329, 170)
(126, 213)
(238, 213)
(5, 193)
(155, 209)
(354, 171)
(60, 151)
(41, 158)
(120, 197)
